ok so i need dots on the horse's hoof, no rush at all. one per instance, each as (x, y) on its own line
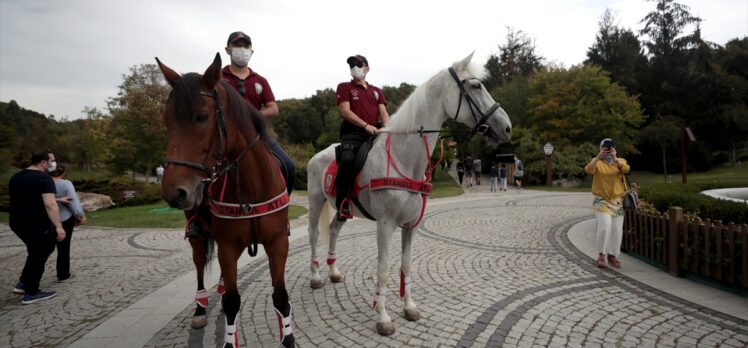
(316, 283)
(385, 329)
(336, 278)
(199, 322)
(288, 341)
(411, 314)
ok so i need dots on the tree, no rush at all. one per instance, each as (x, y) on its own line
(137, 132)
(664, 28)
(619, 52)
(667, 42)
(733, 118)
(580, 105)
(665, 132)
(517, 58)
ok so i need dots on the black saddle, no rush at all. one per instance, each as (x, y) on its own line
(361, 154)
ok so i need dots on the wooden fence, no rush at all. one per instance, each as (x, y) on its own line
(702, 247)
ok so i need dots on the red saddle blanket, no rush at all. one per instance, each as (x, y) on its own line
(381, 183)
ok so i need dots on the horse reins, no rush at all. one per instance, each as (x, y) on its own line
(481, 125)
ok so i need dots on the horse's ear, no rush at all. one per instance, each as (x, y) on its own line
(212, 75)
(461, 65)
(170, 75)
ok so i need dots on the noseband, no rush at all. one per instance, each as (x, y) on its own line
(221, 166)
(480, 126)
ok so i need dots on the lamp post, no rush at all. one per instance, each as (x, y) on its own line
(548, 149)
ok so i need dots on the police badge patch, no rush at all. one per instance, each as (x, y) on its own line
(258, 88)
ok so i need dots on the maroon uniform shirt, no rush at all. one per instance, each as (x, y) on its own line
(364, 103)
(256, 88)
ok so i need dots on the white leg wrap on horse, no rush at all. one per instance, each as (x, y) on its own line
(315, 263)
(379, 296)
(202, 298)
(231, 336)
(285, 324)
(331, 258)
(405, 284)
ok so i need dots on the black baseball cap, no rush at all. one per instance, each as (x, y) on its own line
(357, 58)
(608, 143)
(238, 35)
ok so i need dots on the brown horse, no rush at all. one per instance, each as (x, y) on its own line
(219, 167)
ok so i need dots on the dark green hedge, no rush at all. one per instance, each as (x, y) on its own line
(688, 197)
(115, 188)
(143, 193)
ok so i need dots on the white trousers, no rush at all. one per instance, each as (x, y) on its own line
(503, 184)
(493, 184)
(609, 233)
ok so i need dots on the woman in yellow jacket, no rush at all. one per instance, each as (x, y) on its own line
(608, 188)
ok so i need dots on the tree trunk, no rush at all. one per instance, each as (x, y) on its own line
(664, 163)
(733, 155)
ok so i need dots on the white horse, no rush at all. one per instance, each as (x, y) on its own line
(409, 151)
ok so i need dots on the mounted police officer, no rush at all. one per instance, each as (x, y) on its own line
(363, 108)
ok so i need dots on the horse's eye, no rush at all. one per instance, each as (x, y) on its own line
(202, 117)
(475, 85)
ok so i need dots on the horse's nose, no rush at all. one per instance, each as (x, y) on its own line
(508, 130)
(179, 199)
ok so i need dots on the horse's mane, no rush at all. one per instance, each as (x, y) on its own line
(402, 124)
(187, 90)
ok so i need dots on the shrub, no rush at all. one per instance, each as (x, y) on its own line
(663, 196)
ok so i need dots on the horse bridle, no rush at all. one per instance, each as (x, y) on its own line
(480, 125)
(218, 169)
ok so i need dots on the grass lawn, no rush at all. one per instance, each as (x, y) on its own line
(445, 185)
(157, 215)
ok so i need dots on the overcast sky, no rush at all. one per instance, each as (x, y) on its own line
(58, 56)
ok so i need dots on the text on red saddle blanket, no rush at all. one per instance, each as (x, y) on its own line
(250, 210)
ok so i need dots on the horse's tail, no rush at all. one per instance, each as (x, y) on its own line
(209, 246)
(325, 217)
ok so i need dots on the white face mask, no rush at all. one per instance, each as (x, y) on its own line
(357, 73)
(240, 56)
(52, 166)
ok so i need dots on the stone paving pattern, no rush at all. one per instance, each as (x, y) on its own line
(489, 270)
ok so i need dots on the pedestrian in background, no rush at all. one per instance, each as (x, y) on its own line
(71, 214)
(477, 169)
(494, 177)
(502, 177)
(35, 219)
(468, 164)
(519, 172)
(159, 173)
(460, 170)
(608, 188)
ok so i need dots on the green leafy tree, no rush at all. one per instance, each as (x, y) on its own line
(619, 52)
(302, 123)
(517, 58)
(666, 38)
(733, 118)
(580, 105)
(137, 132)
(665, 132)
